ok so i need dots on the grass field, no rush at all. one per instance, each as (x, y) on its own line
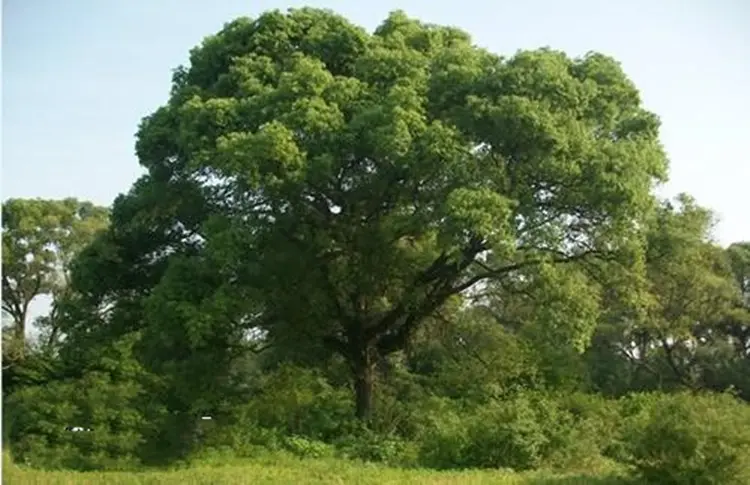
(294, 472)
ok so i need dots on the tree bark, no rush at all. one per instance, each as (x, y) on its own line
(364, 384)
(20, 331)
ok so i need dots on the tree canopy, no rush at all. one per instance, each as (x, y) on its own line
(352, 183)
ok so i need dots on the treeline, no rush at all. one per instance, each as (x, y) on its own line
(395, 247)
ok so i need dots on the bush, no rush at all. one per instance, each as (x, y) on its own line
(306, 448)
(442, 434)
(581, 438)
(38, 417)
(688, 439)
(369, 446)
(299, 402)
(245, 439)
(514, 433)
(293, 410)
(508, 434)
(530, 430)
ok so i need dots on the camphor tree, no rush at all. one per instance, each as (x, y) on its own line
(40, 240)
(351, 184)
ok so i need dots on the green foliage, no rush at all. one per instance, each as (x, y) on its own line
(39, 241)
(684, 325)
(524, 432)
(239, 439)
(586, 427)
(190, 336)
(369, 446)
(473, 356)
(25, 364)
(299, 402)
(690, 439)
(445, 437)
(508, 435)
(306, 448)
(38, 417)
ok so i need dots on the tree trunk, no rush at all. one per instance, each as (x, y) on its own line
(20, 331)
(364, 385)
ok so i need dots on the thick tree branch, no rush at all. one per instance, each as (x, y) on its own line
(493, 273)
(631, 358)
(503, 270)
(440, 275)
(11, 300)
(399, 323)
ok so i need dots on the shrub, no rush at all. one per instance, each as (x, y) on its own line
(293, 410)
(370, 446)
(299, 402)
(505, 436)
(443, 434)
(688, 439)
(583, 432)
(307, 448)
(530, 430)
(38, 417)
(245, 439)
(514, 433)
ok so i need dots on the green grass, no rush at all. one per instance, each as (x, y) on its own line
(294, 472)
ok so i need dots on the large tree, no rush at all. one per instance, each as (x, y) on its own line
(39, 241)
(351, 184)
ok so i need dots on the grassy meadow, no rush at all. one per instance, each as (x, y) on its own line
(297, 472)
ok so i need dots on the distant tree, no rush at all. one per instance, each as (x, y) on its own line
(691, 287)
(682, 329)
(732, 367)
(739, 324)
(40, 238)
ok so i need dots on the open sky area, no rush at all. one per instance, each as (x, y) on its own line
(78, 76)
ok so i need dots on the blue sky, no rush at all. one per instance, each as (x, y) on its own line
(78, 76)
